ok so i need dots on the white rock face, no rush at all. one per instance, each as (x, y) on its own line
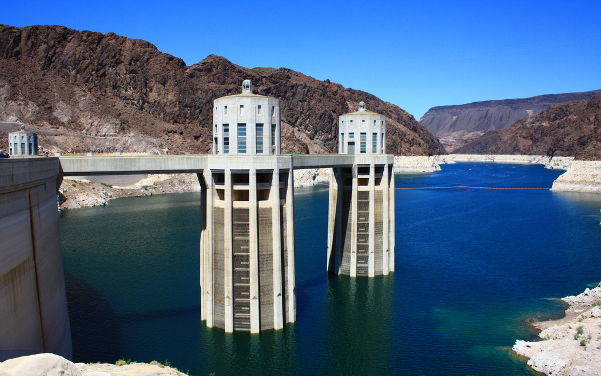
(572, 345)
(548, 363)
(311, 176)
(582, 176)
(554, 163)
(54, 365)
(416, 164)
(39, 364)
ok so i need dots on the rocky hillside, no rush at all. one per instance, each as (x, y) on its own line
(457, 125)
(568, 129)
(86, 91)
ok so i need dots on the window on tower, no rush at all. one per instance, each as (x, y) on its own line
(241, 138)
(259, 138)
(363, 140)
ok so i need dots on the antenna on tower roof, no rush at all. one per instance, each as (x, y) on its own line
(246, 87)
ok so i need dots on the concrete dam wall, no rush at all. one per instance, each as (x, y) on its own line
(33, 303)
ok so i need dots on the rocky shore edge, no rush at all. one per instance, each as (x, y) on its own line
(570, 346)
(51, 364)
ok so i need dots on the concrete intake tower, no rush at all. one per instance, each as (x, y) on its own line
(247, 235)
(361, 210)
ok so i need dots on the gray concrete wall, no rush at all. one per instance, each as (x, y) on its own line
(33, 304)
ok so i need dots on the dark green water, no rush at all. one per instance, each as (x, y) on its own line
(471, 267)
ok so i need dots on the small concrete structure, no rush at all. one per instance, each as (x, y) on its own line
(361, 209)
(22, 143)
(246, 123)
(361, 132)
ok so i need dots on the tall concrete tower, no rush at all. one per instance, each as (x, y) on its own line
(361, 212)
(247, 235)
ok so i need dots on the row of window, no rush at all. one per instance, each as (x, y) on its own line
(241, 110)
(362, 122)
(26, 148)
(362, 142)
(241, 136)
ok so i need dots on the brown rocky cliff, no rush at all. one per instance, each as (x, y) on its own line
(89, 91)
(568, 129)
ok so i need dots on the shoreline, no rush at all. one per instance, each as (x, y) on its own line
(570, 345)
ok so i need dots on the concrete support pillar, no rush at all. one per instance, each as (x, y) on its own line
(372, 220)
(255, 318)
(353, 263)
(277, 251)
(207, 272)
(386, 214)
(339, 235)
(227, 257)
(391, 229)
(291, 267)
(332, 221)
(203, 248)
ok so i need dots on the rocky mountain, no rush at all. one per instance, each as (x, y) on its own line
(457, 125)
(87, 91)
(568, 129)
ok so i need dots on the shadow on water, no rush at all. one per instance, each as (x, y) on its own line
(91, 319)
(303, 294)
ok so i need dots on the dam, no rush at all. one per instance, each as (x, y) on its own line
(247, 248)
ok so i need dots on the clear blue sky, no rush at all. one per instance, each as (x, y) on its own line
(416, 54)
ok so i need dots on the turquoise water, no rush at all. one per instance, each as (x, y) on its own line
(471, 267)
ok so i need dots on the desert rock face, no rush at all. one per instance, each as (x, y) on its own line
(88, 91)
(459, 124)
(569, 129)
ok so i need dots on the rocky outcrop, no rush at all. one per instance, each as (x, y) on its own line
(311, 177)
(582, 176)
(416, 164)
(572, 345)
(79, 193)
(455, 125)
(93, 92)
(54, 365)
(569, 129)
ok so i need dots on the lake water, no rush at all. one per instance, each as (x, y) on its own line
(471, 267)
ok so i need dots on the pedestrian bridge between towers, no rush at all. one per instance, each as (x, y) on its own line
(172, 164)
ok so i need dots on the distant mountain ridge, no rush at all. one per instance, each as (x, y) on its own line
(567, 129)
(457, 124)
(87, 91)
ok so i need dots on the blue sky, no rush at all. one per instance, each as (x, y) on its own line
(416, 54)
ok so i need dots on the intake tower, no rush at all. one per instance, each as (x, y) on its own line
(247, 235)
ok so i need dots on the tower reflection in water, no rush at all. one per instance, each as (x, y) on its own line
(361, 315)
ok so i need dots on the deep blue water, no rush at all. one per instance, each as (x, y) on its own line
(471, 267)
